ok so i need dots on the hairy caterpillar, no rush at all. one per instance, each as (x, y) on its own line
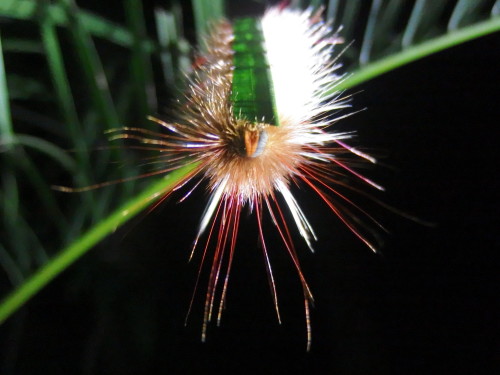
(255, 119)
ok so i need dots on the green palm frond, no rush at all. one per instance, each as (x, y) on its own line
(86, 94)
(395, 32)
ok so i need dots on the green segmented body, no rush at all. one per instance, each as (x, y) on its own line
(252, 90)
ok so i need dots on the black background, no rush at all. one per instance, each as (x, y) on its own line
(427, 304)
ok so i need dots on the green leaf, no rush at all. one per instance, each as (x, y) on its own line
(6, 131)
(205, 13)
(55, 152)
(91, 66)
(140, 64)
(97, 26)
(174, 49)
(66, 101)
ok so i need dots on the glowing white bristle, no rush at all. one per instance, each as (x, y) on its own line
(298, 53)
(303, 225)
(209, 210)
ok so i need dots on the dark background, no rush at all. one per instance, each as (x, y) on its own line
(427, 304)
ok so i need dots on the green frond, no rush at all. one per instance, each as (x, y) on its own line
(394, 32)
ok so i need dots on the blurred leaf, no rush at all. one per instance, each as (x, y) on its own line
(97, 26)
(6, 131)
(205, 13)
(26, 88)
(141, 70)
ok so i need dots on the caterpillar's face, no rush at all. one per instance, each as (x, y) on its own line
(251, 139)
(252, 157)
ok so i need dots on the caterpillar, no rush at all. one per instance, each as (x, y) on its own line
(256, 119)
